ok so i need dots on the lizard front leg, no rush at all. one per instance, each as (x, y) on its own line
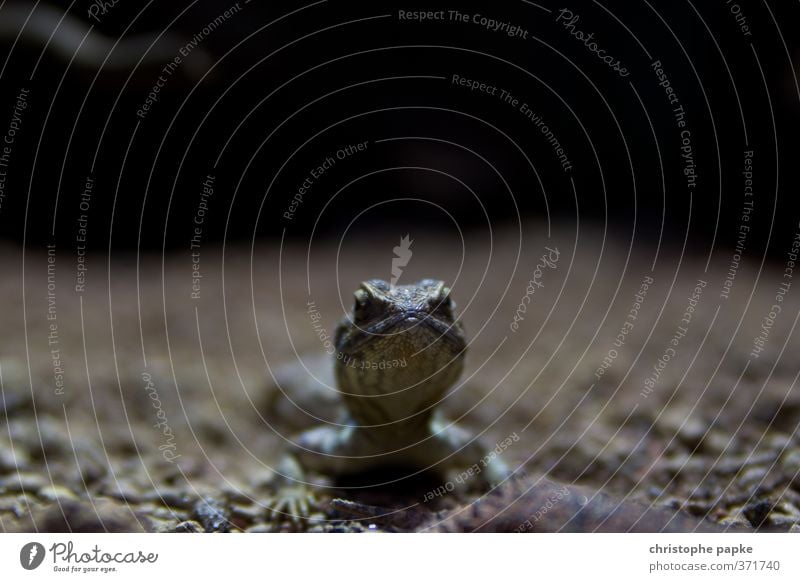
(293, 497)
(456, 450)
(325, 450)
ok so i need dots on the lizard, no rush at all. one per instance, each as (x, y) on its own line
(396, 355)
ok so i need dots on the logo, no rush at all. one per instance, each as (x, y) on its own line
(31, 555)
(402, 254)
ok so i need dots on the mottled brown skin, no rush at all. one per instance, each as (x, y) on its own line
(410, 331)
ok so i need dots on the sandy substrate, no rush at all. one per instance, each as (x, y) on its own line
(168, 417)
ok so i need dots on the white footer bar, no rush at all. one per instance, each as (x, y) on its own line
(387, 557)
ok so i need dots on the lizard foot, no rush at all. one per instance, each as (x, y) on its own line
(292, 503)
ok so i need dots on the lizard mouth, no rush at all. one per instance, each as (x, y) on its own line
(418, 328)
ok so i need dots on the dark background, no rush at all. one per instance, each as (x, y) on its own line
(148, 178)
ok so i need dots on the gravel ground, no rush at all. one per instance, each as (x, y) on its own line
(169, 419)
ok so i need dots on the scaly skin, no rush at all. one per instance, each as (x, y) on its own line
(397, 354)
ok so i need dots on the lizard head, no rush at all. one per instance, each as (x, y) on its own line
(420, 310)
(404, 342)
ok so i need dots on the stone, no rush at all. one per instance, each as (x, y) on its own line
(22, 482)
(248, 513)
(189, 526)
(12, 460)
(124, 491)
(212, 515)
(99, 515)
(171, 497)
(56, 493)
(260, 528)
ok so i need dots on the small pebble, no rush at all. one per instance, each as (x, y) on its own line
(167, 513)
(715, 443)
(17, 505)
(12, 461)
(211, 514)
(753, 476)
(22, 482)
(171, 498)
(235, 493)
(56, 493)
(692, 433)
(782, 520)
(49, 439)
(791, 461)
(189, 526)
(91, 466)
(758, 512)
(124, 491)
(779, 441)
(249, 513)
(260, 528)
(737, 520)
(16, 395)
(654, 492)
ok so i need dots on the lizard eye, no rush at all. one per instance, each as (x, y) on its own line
(444, 304)
(361, 303)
